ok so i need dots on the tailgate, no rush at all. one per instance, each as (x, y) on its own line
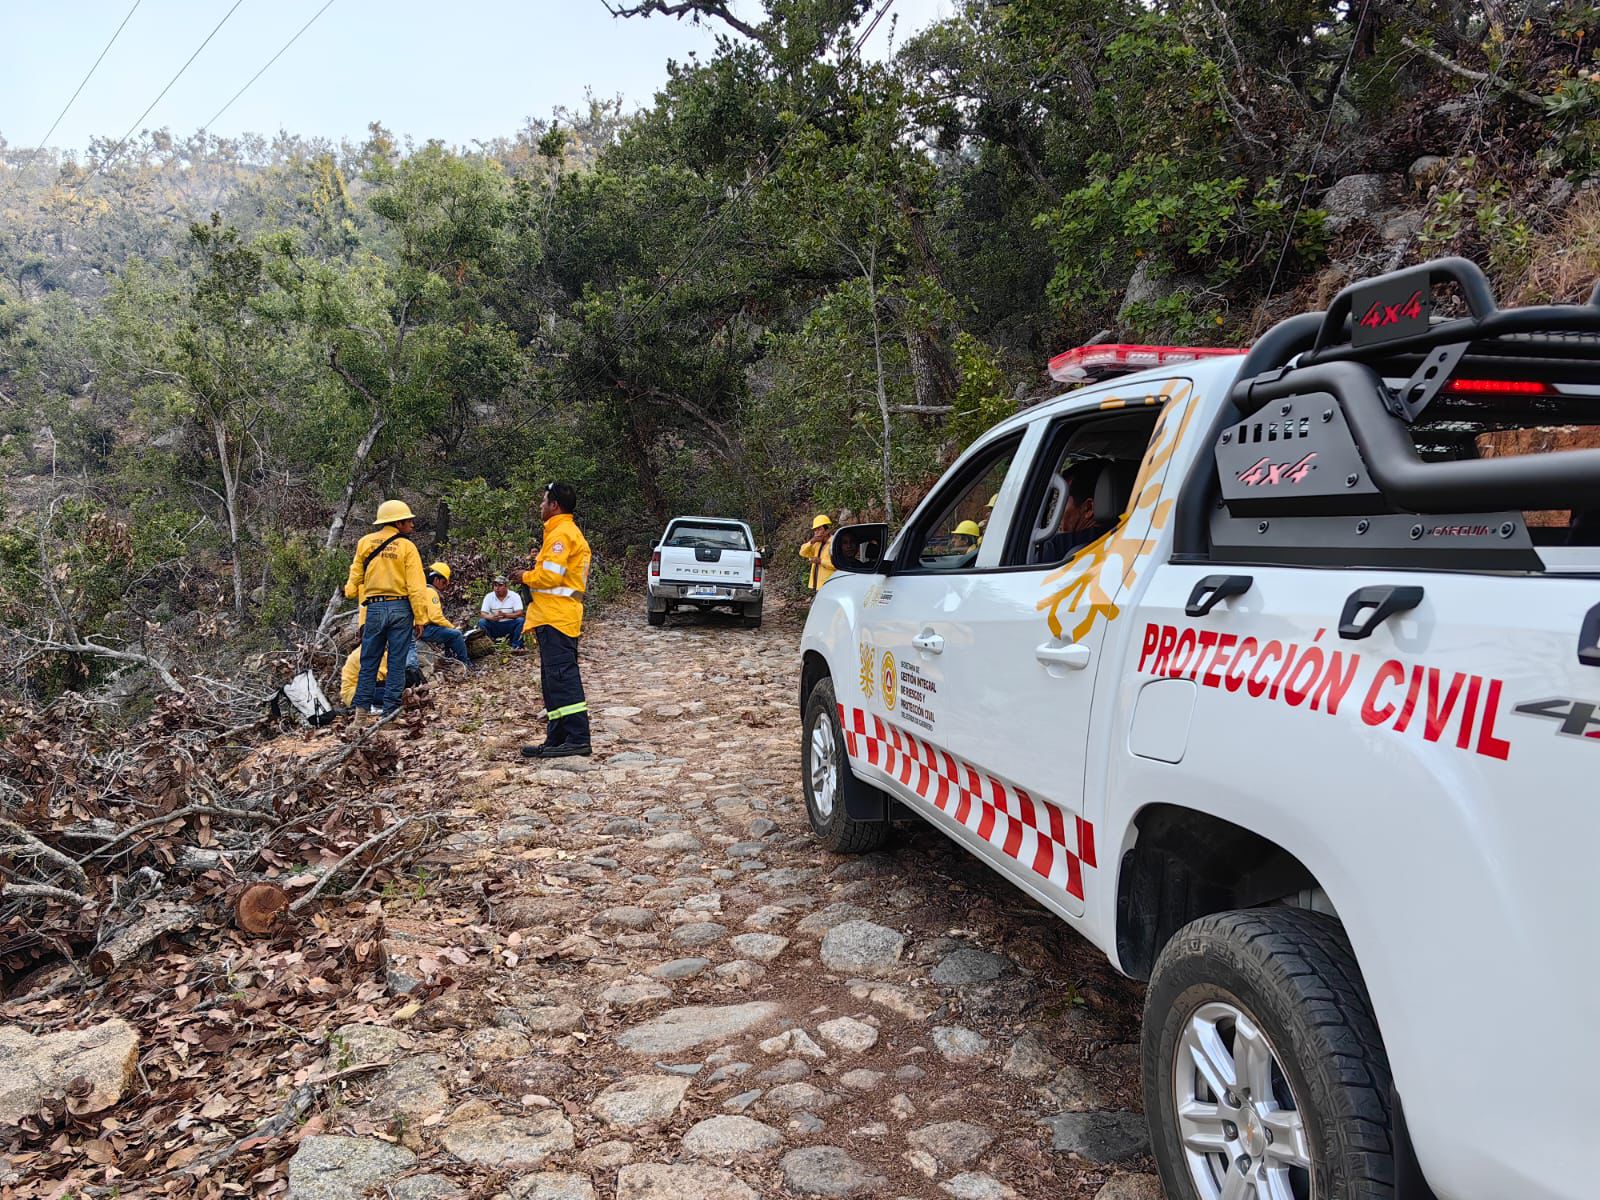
(707, 564)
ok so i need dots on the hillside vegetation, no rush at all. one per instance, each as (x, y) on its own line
(798, 281)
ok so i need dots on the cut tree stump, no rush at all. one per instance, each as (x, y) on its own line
(259, 906)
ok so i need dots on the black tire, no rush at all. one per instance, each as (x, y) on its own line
(653, 617)
(1293, 974)
(752, 617)
(834, 829)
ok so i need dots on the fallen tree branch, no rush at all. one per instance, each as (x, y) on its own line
(1455, 68)
(926, 410)
(128, 943)
(29, 844)
(39, 891)
(94, 649)
(376, 839)
(189, 810)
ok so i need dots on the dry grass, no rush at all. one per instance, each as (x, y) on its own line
(1566, 261)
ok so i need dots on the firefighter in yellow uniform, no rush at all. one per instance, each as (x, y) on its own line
(351, 672)
(966, 536)
(438, 628)
(557, 582)
(819, 552)
(386, 577)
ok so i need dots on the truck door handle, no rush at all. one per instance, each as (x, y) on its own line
(1074, 655)
(1213, 589)
(1589, 638)
(928, 642)
(1383, 602)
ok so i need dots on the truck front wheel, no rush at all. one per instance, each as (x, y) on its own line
(1264, 1075)
(829, 781)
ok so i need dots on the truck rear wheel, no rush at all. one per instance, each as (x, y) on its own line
(1264, 1074)
(752, 616)
(653, 615)
(829, 781)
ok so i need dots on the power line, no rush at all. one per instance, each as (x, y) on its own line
(760, 173)
(123, 141)
(1327, 124)
(83, 83)
(270, 61)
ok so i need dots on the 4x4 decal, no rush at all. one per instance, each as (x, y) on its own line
(1575, 718)
(1381, 315)
(1265, 471)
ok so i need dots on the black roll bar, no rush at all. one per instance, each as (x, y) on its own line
(1336, 341)
(1555, 479)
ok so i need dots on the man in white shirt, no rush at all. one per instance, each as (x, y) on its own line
(500, 615)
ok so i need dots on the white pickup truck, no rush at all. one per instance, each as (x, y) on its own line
(1278, 677)
(705, 563)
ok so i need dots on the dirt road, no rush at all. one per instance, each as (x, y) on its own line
(659, 986)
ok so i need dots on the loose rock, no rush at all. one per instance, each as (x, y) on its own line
(661, 1181)
(90, 1067)
(953, 1143)
(480, 1136)
(862, 948)
(959, 1045)
(640, 1100)
(343, 1168)
(1101, 1137)
(848, 1034)
(828, 1171)
(680, 1029)
(722, 1139)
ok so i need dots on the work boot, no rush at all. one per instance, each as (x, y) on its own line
(539, 751)
(359, 717)
(566, 750)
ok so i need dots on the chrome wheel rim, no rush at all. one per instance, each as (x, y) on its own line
(1242, 1132)
(824, 768)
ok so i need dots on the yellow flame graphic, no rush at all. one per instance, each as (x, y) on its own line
(1087, 582)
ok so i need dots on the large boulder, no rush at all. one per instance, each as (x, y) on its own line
(90, 1068)
(1356, 200)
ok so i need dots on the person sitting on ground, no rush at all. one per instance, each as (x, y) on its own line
(500, 615)
(351, 672)
(439, 629)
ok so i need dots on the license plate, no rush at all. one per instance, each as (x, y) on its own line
(709, 593)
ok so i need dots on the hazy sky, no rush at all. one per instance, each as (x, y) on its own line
(454, 70)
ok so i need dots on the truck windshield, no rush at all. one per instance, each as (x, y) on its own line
(686, 535)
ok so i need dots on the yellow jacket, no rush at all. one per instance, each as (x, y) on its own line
(350, 674)
(559, 578)
(821, 556)
(435, 612)
(396, 571)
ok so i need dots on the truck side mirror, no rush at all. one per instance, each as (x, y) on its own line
(859, 549)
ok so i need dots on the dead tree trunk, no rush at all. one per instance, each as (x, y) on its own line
(230, 502)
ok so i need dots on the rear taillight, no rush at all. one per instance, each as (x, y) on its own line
(1497, 387)
(655, 565)
(758, 569)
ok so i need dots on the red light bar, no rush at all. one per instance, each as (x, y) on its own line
(1099, 362)
(1497, 387)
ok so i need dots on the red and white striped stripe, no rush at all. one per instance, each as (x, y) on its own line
(1033, 832)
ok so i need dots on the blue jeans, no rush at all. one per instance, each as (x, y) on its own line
(510, 628)
(388, 629)
(453, 641)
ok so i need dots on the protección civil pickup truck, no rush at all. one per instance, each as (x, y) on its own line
(1277, 676)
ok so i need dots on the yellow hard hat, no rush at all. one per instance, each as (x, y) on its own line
(391, 511)
(970, 528)
(993, 500)
(821, 519)
(440, 568)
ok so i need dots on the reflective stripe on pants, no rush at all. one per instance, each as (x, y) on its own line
(562, 686)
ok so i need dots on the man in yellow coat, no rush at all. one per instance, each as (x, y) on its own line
(386, 577)
(557, 582)
(819, 552)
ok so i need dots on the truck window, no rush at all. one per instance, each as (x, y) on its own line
(1081, 484)
(957, 521)
(696, 535)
